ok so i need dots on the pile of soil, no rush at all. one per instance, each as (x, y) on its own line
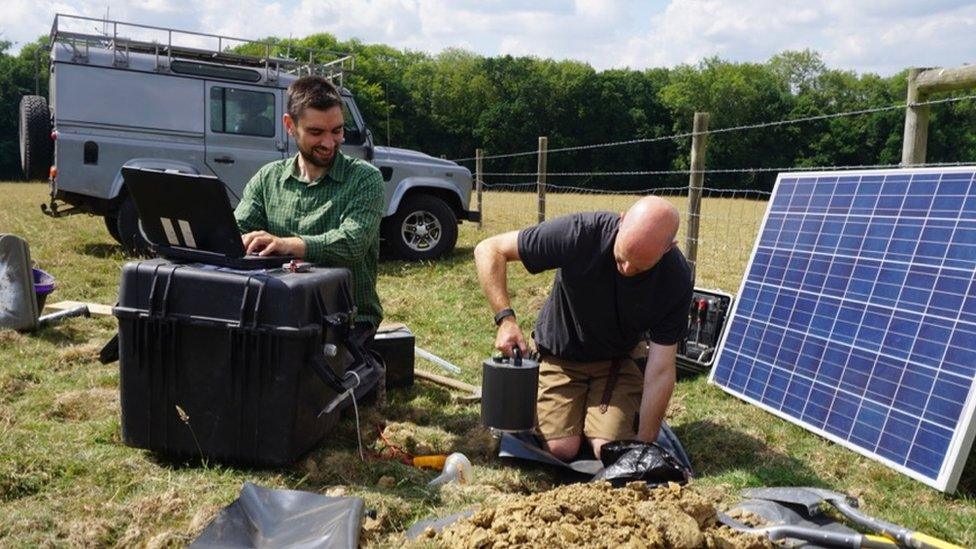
(598, 515)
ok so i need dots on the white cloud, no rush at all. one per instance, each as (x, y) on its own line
(871, 35)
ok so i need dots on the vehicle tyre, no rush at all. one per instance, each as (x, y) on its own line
(130, 231)
(112, 225)
(36, 148)
(423, 227)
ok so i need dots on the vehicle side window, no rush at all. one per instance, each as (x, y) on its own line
(353, 135)
(242, 112)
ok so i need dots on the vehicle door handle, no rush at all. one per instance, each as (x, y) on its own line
(224, 159)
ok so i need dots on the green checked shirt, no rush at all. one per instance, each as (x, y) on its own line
(337, 215)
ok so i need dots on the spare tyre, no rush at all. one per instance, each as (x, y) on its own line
(36, 148)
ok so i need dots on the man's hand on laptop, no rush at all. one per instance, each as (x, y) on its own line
(264, 243)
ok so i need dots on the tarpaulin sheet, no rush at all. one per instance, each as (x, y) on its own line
(265, 518)
(18, 304)
(526, 446)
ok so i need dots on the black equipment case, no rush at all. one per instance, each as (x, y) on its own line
(706, 324)
(245, 367)
(395, 344)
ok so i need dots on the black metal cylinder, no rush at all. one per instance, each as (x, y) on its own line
(509, 390)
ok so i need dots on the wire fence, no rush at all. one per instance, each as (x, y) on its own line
(728, 219)
(743, 127)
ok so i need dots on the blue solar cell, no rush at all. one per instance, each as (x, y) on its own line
(867, 426)
(857, 315)
(840, 201)
(913, 392)
(776, 388)
(969, 205)
(865, 198)
(840, 415)
(892, 205)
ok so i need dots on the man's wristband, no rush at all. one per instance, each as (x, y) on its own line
(502, 315)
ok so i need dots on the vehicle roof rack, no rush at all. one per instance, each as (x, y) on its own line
(167, 44)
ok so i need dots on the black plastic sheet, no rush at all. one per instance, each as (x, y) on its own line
(632, 460)
(526, 446)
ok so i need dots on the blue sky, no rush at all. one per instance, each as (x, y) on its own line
(865, 36)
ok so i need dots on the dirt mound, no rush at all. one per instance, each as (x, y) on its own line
(598, 515)
(419, 440)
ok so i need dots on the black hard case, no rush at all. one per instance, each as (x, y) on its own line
(396, 348)
(218, 364)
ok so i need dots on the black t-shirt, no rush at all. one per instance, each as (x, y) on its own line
(593, 312)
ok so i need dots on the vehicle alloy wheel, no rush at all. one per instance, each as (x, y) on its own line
(424, 227)
(421, 231)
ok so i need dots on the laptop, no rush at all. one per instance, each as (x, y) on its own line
(188, 217)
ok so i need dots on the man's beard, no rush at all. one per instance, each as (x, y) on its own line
(310, 157)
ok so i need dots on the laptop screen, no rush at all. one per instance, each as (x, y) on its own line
(184, 211)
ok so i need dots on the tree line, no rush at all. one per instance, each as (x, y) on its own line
(456, 101)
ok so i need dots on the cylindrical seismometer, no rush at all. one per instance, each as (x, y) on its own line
(509, 388)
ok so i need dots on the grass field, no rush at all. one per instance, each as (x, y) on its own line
(66, 479)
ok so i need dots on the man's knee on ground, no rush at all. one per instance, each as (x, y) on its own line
(597, 445)
(564, 448)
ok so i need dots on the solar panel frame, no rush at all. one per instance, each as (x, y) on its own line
(947, 476)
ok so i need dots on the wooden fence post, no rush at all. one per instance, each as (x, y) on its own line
(921, 84)
(478, 157)
(699, 141)
(541, 177)
(916, 123)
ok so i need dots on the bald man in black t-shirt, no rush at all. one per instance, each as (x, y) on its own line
(619, 279)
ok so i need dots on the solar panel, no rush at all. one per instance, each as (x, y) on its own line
(857, 315)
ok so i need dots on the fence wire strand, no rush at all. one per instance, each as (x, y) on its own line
(731, 170)
(743, 127)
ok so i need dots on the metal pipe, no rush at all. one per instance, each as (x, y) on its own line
(437, 360)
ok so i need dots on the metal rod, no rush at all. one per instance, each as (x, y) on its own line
(437, 360)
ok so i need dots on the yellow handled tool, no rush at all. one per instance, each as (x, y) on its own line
(430, 462)
(813, 497)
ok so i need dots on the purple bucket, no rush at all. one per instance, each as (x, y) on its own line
(43, 285)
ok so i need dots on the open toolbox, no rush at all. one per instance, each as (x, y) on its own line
(707, 318)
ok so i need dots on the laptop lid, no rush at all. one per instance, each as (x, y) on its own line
(184, 211)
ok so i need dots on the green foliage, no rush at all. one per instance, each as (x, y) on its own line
(735, 94)
(456, 101)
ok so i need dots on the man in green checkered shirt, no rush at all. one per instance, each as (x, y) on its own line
(319, 205)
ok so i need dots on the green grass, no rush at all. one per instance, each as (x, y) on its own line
(66, 479)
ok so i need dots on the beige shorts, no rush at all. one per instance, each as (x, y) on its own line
(570, 395)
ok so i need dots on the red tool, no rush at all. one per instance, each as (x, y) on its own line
(702, 306)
